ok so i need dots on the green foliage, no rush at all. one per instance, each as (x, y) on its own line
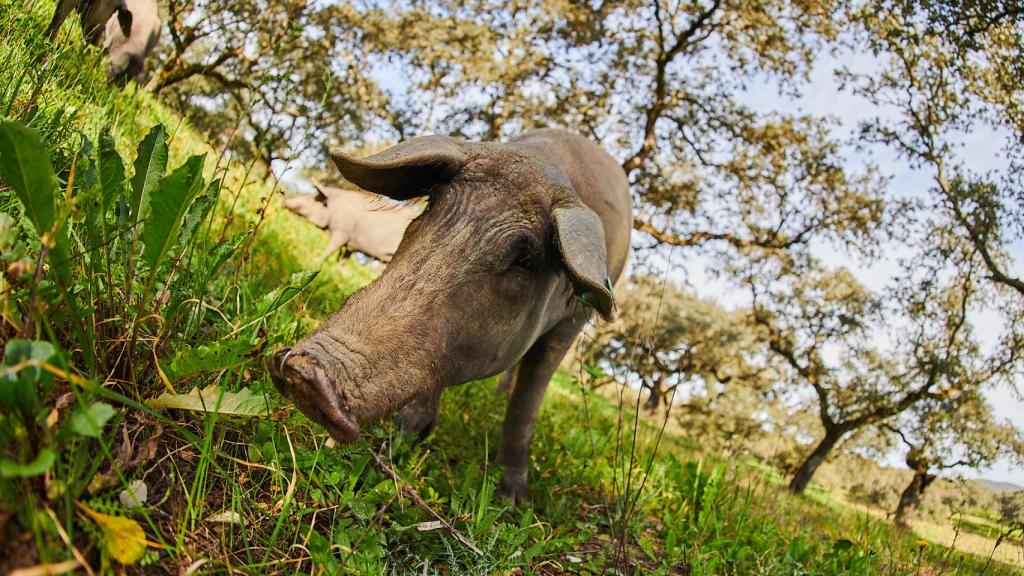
(150, 164)
(26, 381)
(42, 463)
(167, 208)
(130, 242)
(705, 361)
(25, 166)
(1011, 508)
(90, 420)
(211, 399)
(209, 358)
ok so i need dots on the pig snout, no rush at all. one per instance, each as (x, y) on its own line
(302, 378)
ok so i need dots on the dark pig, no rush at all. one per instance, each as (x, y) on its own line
(519, 244)
(94, 15)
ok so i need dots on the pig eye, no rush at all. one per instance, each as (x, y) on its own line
(525, 257)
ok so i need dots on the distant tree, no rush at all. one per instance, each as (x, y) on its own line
(669, 339)
(272, 80)
(822, 324)
(945, 69)
(958, 430)
(656, 82)
(949, 69)
(1011, 508)
(690, 356)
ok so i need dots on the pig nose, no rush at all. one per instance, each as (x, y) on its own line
(275, 365)
(302, 378)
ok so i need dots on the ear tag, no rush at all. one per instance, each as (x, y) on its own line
(582, 298)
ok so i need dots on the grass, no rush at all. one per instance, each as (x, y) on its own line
(267, 494)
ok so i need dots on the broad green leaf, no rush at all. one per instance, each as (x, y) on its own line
(150, 165)
(361, 508)
(110, 168)
(87, 197)
(168, 206)
(90, 422)
(86, 176)
(216, 356)
(25, 166)
(20, 389)
(197, 213)
(279, 297)
(125, 540)
(212, 399)
(43, 462)
(224, 251)
(18, 350)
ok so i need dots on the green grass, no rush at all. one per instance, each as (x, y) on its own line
(255, 495)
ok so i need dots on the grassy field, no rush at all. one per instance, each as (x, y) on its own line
(247, 485)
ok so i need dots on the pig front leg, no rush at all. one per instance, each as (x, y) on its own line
(508, 378)
(532, 377)
(64, 7)
(419, 415)
(334, 244)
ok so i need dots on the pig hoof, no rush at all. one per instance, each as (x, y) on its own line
(515, 490)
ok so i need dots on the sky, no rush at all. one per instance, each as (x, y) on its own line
(823, 97)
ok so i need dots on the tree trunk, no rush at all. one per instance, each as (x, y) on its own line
(910, 499)
(803, 475)
(654, 398)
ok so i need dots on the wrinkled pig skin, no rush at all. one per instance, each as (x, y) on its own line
(354, 220)
(520, 243)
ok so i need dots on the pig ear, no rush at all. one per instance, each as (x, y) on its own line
(322, 193)
(580, 239)
(407, 170)
(124, 18)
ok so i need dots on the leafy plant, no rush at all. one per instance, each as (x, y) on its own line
(110, 287)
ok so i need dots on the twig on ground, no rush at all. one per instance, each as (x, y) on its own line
(387, 504)
(411, 493)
